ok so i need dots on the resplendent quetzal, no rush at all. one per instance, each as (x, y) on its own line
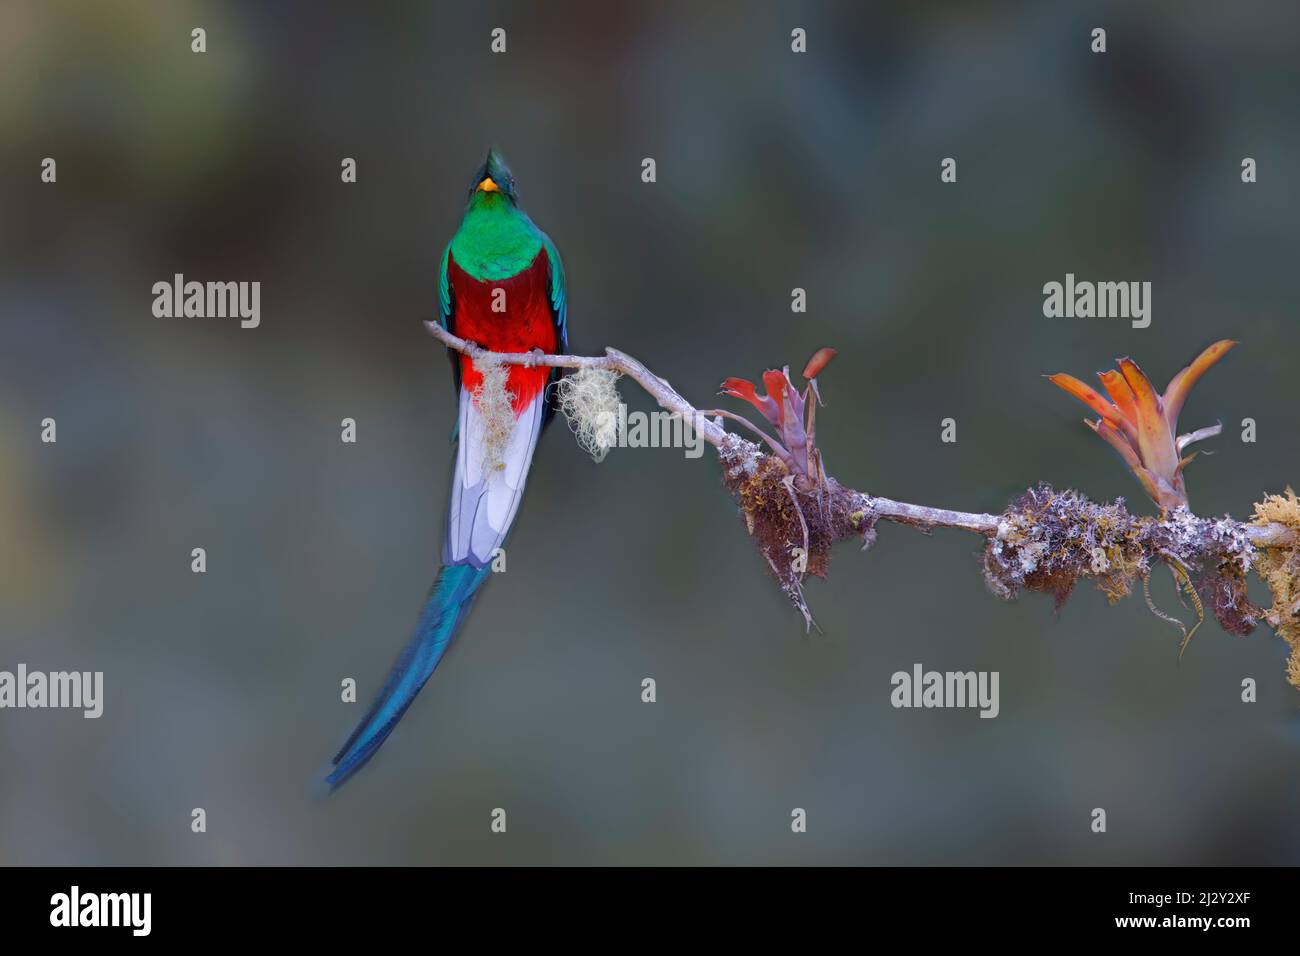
(501, 286)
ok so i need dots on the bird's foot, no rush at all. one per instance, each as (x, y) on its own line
(533, 356)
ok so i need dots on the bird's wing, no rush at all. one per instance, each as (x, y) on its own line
(445, 309)
(558, 293)
(559, 300)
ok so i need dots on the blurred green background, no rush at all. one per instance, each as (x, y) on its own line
(775, 170)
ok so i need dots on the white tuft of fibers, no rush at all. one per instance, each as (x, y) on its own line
(495, 405)
(590, 402)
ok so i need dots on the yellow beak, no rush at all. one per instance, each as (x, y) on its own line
(488, 186)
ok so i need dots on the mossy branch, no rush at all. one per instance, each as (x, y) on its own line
(1046, 540)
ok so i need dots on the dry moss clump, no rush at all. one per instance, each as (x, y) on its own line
(1223, 583)
(1209, 558)
(1280, 569)
(1048, 540)
(791, 526)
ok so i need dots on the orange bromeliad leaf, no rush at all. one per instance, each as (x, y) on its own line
(1117, 441)
(1154, 439)
(1123, 398)
(1088, 395)
(1141, 424)
(1181, 384)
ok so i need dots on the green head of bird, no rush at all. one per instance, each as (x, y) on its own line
(493, 182)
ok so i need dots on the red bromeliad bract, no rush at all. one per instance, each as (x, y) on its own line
(791, 413)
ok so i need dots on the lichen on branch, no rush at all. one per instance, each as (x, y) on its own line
(1050, 540)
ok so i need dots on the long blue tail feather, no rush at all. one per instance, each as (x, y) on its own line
(448, 604)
